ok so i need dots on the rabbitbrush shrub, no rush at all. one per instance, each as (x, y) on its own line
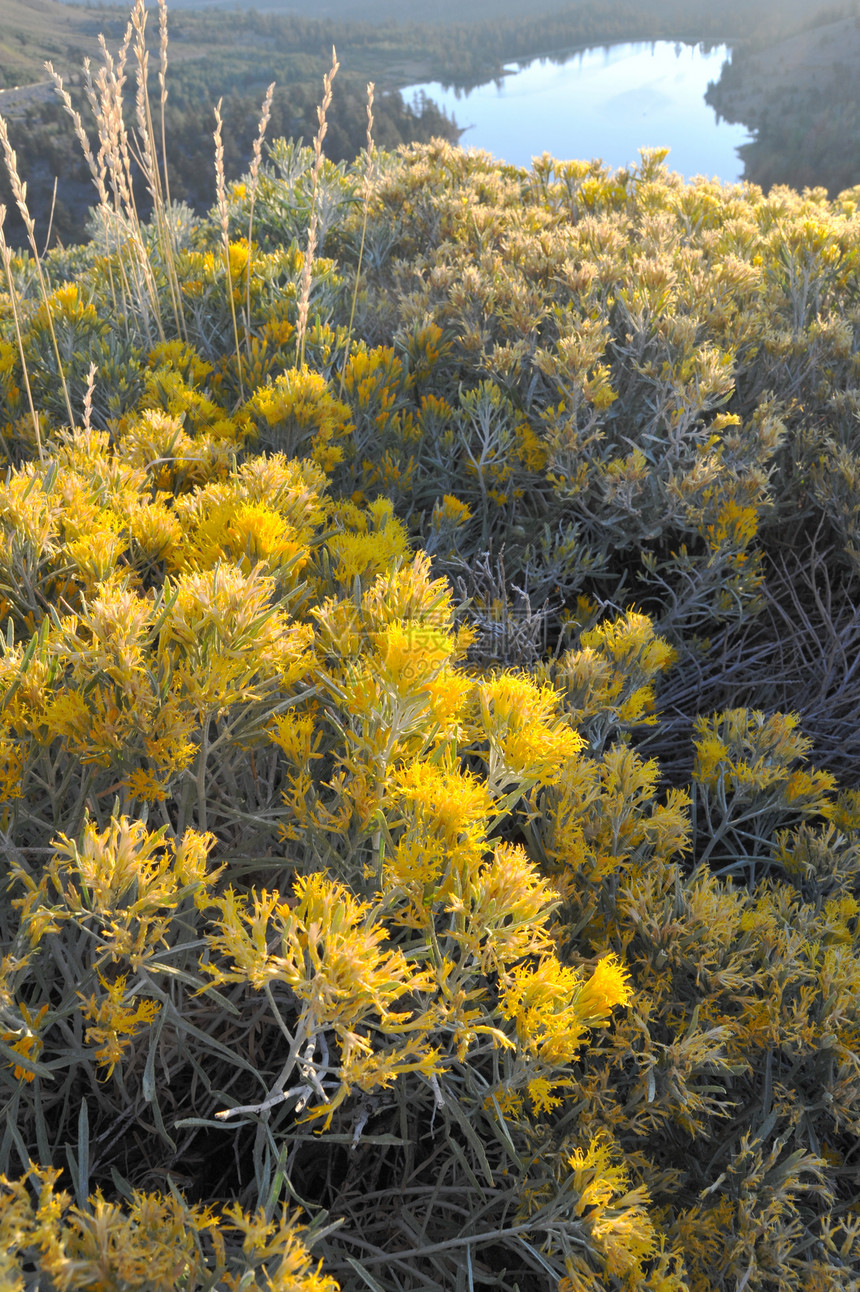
(413, 652)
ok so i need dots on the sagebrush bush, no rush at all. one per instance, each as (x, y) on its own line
(415, 873)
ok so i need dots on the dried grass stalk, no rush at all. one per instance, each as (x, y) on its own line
(368, 177)
(224, 218)
(305, 294)
(148, 159)
(254, 179)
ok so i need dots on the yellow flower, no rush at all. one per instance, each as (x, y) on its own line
(181, 356)
(736, 526)
(325, 948)
(510, 1104)
(11, 768)
(540, 1000)
(451, 511)
(445, 813)
(146, 785)
(552, 1007)
(505, 907)
(529, 740)
(96, 553)
(410, 654)
(608, 986)
(544, 1094)
(26, 1040)
(711, 752)
(298, 414)
(115, 1021)
(615, 1215)
(369, 543)
(448, 694)
(125, 883)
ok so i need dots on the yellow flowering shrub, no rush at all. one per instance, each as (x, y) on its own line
(298, 414)
(608, 682)
(428, 736)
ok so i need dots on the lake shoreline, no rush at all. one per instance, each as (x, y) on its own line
(569, 104)
(568, 51)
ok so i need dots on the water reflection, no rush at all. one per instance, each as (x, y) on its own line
(607, 102)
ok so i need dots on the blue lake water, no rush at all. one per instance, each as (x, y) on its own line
(608, 103)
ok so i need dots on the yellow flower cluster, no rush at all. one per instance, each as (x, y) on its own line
(152, 1241)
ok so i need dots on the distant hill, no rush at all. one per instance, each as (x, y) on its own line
(378, 11)
(801, 99)
(442, 12)
(32, 31)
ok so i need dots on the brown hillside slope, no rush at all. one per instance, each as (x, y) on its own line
(32, 31)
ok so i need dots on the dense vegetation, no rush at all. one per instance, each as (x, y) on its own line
(428, 697)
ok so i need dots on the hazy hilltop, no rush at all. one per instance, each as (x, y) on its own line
(378, 11)
(34, 30)
(372, 11)
(445, 12)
